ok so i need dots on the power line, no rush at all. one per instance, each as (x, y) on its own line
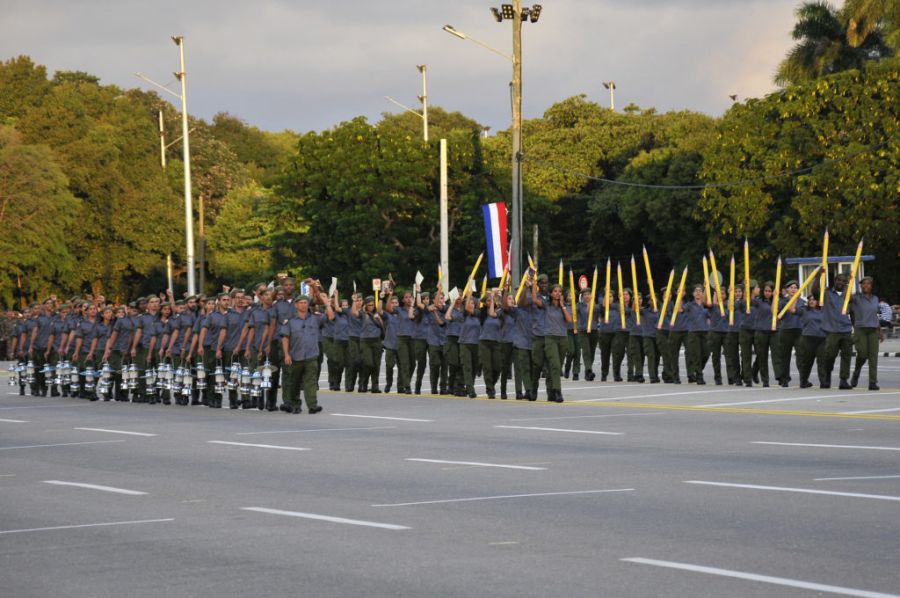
(738, 183)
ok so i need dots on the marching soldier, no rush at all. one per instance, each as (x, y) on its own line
(866, 332)
(300, 347)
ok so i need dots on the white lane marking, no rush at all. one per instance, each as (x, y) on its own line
(860, 477)
(96, 487)
(662, 394)
(871, 411)
(478, 464)
(797, 490)
(14, 421)
(804, 398)
(839, 446)
(269, 446)
(399, 419)
(561, 430)
(480, 498)
(328, 518)
(317, 430)
(58, 527)
(529, 419)
(781, 581)
(10, 448)
(116, 431)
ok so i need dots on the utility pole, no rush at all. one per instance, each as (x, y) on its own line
(188, 209)
(162, 140)
(445, 243)
(516, 256)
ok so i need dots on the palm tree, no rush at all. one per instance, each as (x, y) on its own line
(823, 47)
(865, 16)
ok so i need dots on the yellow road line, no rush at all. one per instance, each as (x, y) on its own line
(743, 410)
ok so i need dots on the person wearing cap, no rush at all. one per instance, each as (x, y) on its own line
(867, 331)
(790, 328)
(207, 358)
(59, 327)
(282, 310)
(406, 328)
(522, 346)
(257, 342)
(300, 347)
(117, 346)
(341, 344)
(587, 341)
(762, 329)
(212, 329)
(620, 338)
(453, 321)
(507, 350)
(489, 343)
(145, 338)
(635, 343)
(812, 341)
(391, 320)
(468, 343)
(677, 339)
(436, 339)
(696, 315)
(536, 298)
(649, 320)
(85, 345)
(354, 332)
(370, 335)
(556, 315)
(749, 363)
(227, 344)
(105, 322)
(838, 328)
(731, 342)
(39, 345)
(420, 342)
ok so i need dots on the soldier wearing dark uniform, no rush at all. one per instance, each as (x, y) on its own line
(370, 345)
(812, 342)
(300, 347)
(866, 332)
(790, 329)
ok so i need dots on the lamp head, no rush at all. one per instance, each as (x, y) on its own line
(449, 29)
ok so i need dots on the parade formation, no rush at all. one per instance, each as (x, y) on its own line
(243, 346)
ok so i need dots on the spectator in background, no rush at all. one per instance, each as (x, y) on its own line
(885, 315)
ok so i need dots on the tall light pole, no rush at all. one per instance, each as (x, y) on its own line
(185, 145)
(424, 99)
(611, 86)
(517, 14)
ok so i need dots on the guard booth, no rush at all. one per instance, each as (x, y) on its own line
(837, 264)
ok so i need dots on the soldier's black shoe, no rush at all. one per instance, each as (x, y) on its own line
(639, 379)
(387, 387)
(873, 386)
(748, 384)
(603, 378)
(520, 396)
(676, 380)
(374, 391)
(459, 393)
(316, 409)
(824, 385)
(654, 380)
(783, 384)
(589, 376)
(766, 384)
(700, 381)
(284, 407)
(854, 379)
(472, 395)
(844, 386)
(531, 395)
(617, 378)
(806, 384)
(295, 410)
(756, 377)
(575, 377)
(491, 395)
(719, 382)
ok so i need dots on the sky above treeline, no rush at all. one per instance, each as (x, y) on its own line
(310, 64)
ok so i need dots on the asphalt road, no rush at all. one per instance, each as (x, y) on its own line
(623, 490)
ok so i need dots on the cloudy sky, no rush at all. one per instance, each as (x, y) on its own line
(308, 64)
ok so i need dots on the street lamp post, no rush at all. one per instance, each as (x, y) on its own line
(611, 86)
(188, 209)
(424, 99)
(517, 14)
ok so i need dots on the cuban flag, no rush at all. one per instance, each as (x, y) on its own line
(495, 231)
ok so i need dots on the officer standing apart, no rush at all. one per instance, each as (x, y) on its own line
(300, 347)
